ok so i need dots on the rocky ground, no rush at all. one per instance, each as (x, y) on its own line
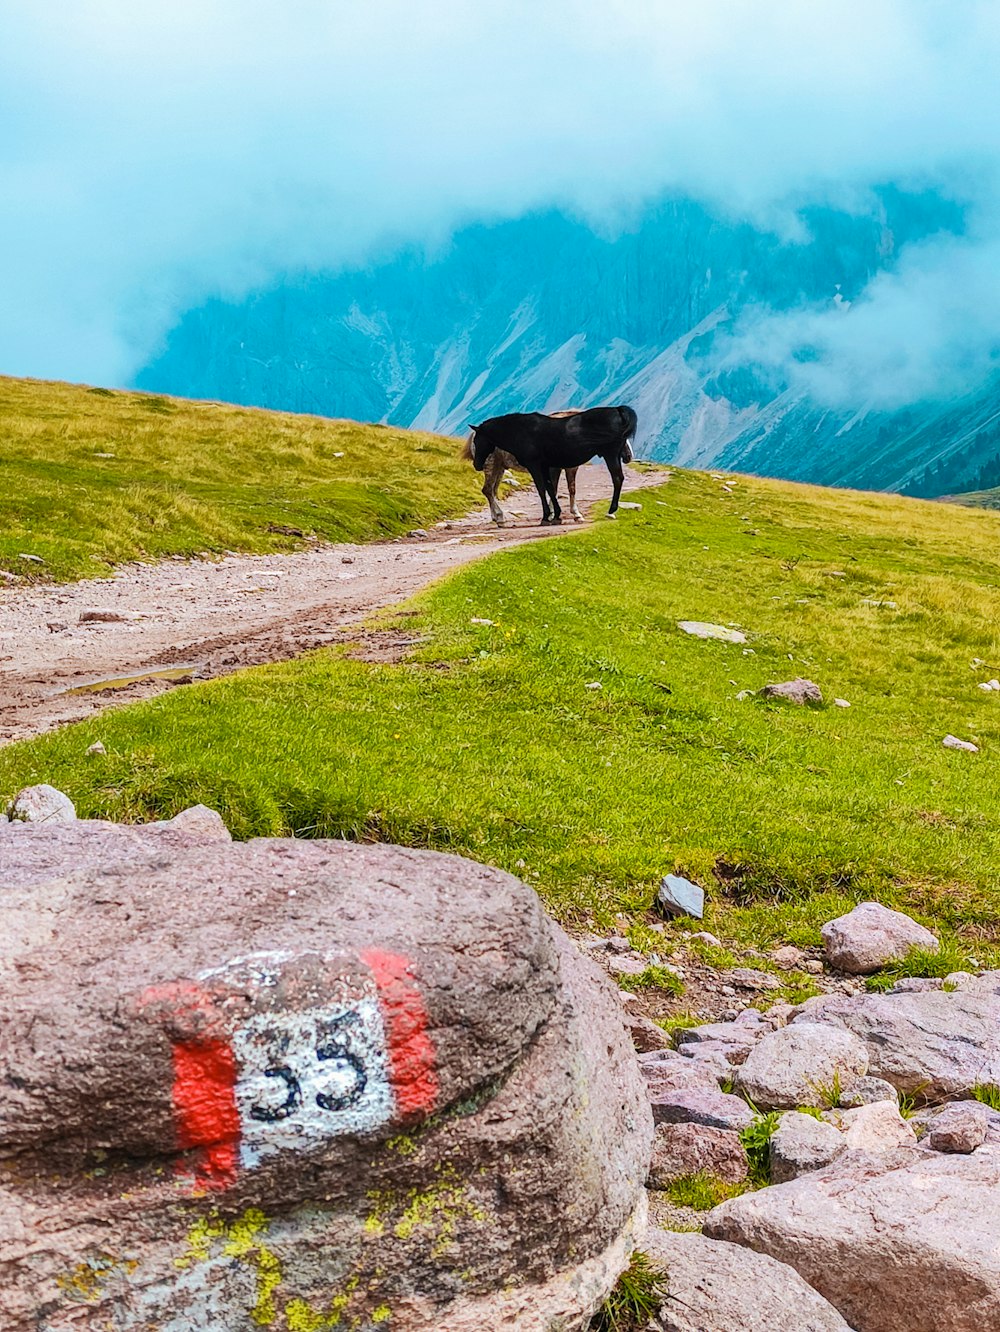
(151, 627)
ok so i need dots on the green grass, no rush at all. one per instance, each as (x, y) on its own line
(701, 1191)
(988, 1093)
(636, 1298)
(489, 743)
(756, 1140)
(187, 477)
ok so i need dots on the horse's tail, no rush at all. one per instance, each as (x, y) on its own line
(467, 453)
(630, 424)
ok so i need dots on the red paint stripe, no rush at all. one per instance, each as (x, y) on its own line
(205, 1109)
(411, 1052)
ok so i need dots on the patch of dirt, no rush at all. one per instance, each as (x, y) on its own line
(215, 617)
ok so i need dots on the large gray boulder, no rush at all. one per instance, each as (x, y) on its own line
(909, 1241)
(935, 1043)
(872, 935)
(719, 1287)
(802, 1064)
(285, 1083)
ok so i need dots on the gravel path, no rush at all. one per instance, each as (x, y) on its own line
(204, 618)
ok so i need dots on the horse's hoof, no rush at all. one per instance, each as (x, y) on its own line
(578, 517)
(612, 515)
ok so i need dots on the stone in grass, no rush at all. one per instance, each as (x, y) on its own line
(800, 1144)
(953, 742)
(699, 630)
(718, 1287)
(42, 804)
(802, 1064)
(687, 1149)
(872, 935)
(796, 691)
(680, 897)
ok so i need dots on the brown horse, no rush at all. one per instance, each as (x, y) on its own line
(499, 462)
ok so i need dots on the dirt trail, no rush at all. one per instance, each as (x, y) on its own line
(201, 618)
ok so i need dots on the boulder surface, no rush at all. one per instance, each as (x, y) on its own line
(719, 1287)
(911, 1242)
(286, 1084)
(872, 935)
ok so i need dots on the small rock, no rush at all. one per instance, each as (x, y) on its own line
(701, 1105)
(813, 966)
(680, 897)
(198, 823)
(594, 684)
(617, 943)
(748, 979)
(96, 748)
(57, 626)
(646, 1035)
(801, 1144)
(699, 630)
(799, 1065)
(960, 1127)
(953, 742)
(872, 935)
(867, 1091)
(841, 703)
(916, 984)
(703, 936)
(42, 804)
(32, 559)
(788, 957)
(876, 1127)
(416, 532)
(475, 619)
(685, 1149)
(101, 617)
(725, 1033)
(796, 691)
(628, 504)
(626, 966)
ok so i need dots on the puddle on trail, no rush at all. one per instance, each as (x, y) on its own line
(168, 673)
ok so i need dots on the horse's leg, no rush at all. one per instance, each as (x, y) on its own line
(553, 487)
(571, 487)
(494, 475)
(617, 476)
(542, 482)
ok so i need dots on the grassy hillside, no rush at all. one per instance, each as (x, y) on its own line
(494, 741)
(976, 499)
(93, 477)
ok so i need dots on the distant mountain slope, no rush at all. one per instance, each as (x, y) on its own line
(542, 312)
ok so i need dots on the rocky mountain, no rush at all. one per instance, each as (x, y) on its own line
(544, 312)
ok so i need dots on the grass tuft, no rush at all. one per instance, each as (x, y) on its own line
(636, 1298)
(756, 1140)
(988, 1093)
(702, 1191)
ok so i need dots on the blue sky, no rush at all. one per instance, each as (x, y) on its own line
(152, 155)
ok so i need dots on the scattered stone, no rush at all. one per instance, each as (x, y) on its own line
(700, 630)
(617, 943)
(797, 691)
(726, 1033)
(867, 1091)
(910, 1240)
(628, 504)
(57, 626)
(102, 617)
(646, 1035)
(916, 984)
(872, 935)
(936, 1044)
(699, 1105)
(416, 532)
(841, 703)
(198, 823)
(704, 937)
(788, 957)
(800, 1144)
(874, 601)
(953, 742)
(990, 686)
(477, 620)
(718, 1287)
(594, 684)
(680, 897)
(748, 979)
(717, 1059)
(133, 958)
(960, 1127)
(875, 1127)
(685, 1149)
(813, 966)
(956, 979)
(32, 559)
(41, 804)
(627, 965)
(800, 1064)
(95, 749)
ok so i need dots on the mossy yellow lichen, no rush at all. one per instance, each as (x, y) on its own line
(433, 1212)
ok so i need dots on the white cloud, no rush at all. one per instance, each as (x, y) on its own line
(151, 156)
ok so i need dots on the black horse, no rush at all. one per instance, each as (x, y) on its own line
(545, 445)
